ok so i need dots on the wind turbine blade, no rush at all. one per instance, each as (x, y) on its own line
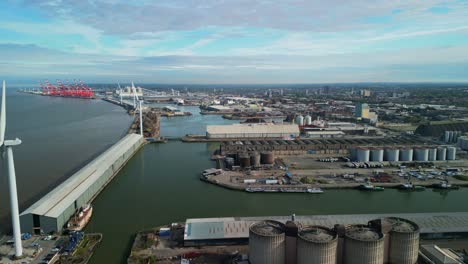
(3, 116)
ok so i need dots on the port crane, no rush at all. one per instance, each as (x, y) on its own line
(7, 146)
(77, 89)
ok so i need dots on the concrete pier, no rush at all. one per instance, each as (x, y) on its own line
(51, 213)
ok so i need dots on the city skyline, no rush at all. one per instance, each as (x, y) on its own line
(235, 42)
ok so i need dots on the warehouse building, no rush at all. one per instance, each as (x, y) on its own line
(263, 130)
(51, 213)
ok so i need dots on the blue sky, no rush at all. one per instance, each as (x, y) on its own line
(234, 41)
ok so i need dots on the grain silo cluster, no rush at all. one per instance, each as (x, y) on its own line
(389, 240)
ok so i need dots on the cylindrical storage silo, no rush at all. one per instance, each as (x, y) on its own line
(316, 245)
(446, 136)
(432, 154)
(421, 154)
(229, 162)
(450, 138)
(377, 155)
(441, 153)
(267, 243)
(299, 120)
(244, 160)
(392, 154)
(363, 244)
(451, 153)
(267, 158)
(403, 241)
(255, 159)
(406, 154)
(308, 120)
(362, 154)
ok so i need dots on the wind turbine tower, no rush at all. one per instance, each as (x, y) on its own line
(7, 148)
(135, 98)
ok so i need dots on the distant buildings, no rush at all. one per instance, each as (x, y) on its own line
(362, 110)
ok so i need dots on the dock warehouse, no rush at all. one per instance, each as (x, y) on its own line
(52, 211)
(268, 130)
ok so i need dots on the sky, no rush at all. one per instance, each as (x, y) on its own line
(234, 41)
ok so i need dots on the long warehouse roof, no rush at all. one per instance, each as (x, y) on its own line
(252, 128)
(238, 227)
(56, 201)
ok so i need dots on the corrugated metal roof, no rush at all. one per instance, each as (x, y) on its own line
(57, 200)
(253, 128)
(201, 229)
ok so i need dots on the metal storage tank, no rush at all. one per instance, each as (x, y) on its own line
(267, 243)
(363, 244)
(403, 241)
(421, 154)
(362, 154)
(377, 155)
(299, 120)
(406, 154)
(267, 158)
(432, 154)
(308, 120)
(451, 153)
(447, 136)
(255, 159)
(316, 245)
(441, 153)
(244, 160)
(392, 154)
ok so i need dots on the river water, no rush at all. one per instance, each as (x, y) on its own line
(160, 184)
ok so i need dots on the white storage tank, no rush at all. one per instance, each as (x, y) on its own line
(421, 154)
(299, 120)
(308, 120)
(432, 154)
(463, 143)
(441, 153)
(267, 242)
(403, 241)
(362, 154)
(451, 153)
(406, 154)
(447, 136)
(363, 244)
(316, 245)
(392, 154)
(377, 155)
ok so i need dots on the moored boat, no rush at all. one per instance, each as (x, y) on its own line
(314, 190)
(81, 218)
(254, 189)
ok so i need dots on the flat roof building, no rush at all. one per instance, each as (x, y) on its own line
(261, 130)
(52, 212)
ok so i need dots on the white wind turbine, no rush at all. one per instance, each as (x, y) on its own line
(7, 149)
(135, 98)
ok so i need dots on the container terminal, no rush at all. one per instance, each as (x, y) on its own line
(72, 90)
(370, 238)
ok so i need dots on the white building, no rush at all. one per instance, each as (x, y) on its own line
(268, 130)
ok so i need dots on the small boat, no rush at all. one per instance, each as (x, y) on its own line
(252, 190)
(79, 220)
(314, 190)
(271, 190)
(410, 187)
(291, 190)
(444, 185)
(369, 187)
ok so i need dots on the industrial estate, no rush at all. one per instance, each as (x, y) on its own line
(303, 140)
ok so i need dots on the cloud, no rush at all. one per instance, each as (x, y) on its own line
(127, 17)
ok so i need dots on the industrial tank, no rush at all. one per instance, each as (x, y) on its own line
(308, 120)
(403, 242)
(363, 244)
(267, 242)
(447, 136)
(406, 154)
(362, 154)
(244, 160)
(432, 154)
(299, 120)
(441, 153)
(421, 154)
(451, 153)
(316, 245)
(255, 159)
(377, 155)
(267, 158)
(392, 154)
